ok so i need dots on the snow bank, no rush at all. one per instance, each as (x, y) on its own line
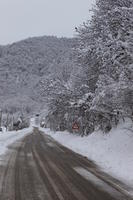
(113, 152)
(7, 138)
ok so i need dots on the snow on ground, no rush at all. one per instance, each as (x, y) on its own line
(7, 138)
(97, 181)
(113, 152)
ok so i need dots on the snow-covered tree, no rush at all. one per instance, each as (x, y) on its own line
(105, 54)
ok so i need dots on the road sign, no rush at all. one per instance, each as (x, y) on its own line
(75, 126)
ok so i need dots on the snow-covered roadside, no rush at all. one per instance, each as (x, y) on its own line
(7, 138)
(112, 152)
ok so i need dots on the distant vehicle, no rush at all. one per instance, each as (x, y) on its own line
(37, 120)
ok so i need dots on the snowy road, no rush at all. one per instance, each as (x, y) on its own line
(38, 168)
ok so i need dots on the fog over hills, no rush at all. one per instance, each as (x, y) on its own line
(32, 70)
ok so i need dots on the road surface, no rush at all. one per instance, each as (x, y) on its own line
(38, 168)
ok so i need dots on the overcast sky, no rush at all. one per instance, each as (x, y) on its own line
(20, 19)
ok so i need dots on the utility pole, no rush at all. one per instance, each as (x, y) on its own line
(12, 121)
(7, 121)
(0, 118)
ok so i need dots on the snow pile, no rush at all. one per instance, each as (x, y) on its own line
(7, 138)
(113, 152)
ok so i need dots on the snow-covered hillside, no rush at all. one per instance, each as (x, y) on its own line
(31, 70)
(113, 152)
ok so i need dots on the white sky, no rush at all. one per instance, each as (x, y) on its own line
(20, 19)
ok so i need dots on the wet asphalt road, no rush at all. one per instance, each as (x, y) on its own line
(38, 168)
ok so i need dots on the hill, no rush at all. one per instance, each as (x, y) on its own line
(32, 70)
